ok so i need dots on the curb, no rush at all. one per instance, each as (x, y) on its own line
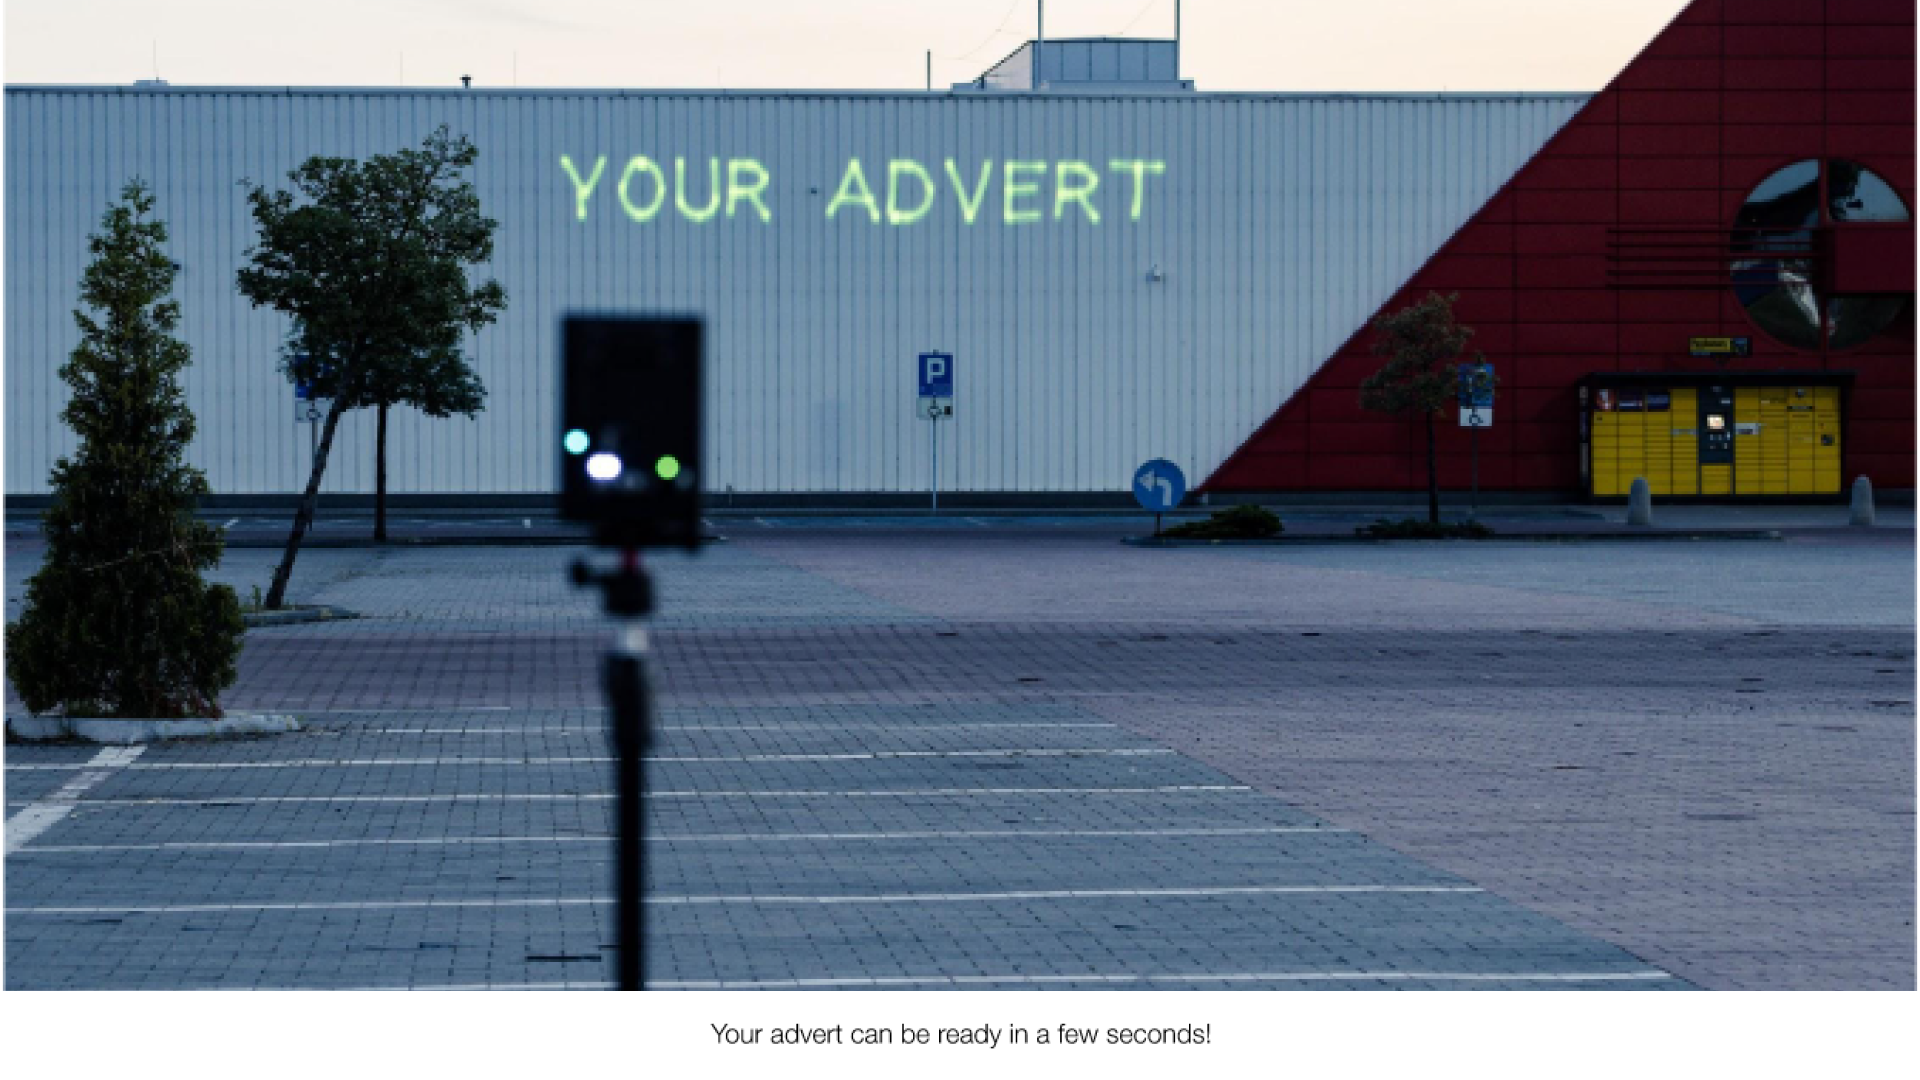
(1532, 537)
(128, 732)
(291, 616)
(497, 540)
(494, 540)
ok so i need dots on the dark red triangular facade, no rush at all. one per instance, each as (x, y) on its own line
(1731, 91)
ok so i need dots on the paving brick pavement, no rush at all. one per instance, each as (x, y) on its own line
(1695, 760)
(379, 851)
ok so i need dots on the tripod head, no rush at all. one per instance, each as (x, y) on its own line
(626, 589)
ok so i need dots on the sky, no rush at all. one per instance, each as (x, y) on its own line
(1324, 45)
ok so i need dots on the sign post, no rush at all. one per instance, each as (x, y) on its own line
(308, 408)
(935, 405)
(1476, 412)
(1159, 485)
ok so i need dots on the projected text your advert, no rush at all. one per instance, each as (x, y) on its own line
(903, 192)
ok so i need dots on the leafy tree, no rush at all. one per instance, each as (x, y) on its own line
(370, 259)
(118, 620)
(1421, 343)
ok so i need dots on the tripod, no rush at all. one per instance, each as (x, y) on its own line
(628, 593)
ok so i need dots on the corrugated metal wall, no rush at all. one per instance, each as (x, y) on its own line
(1280, 222)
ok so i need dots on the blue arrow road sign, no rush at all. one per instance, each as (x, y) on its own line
(936, 374)
(1159, 485)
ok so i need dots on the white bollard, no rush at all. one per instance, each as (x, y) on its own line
(1640, 503)
(1862, 503)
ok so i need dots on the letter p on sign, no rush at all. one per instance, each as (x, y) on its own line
(936, 375)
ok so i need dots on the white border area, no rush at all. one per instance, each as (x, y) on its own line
(524, 1037)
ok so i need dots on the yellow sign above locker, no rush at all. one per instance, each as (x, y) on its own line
(903, 193)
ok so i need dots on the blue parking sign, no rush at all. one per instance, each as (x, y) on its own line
(936, 375)
(1475, 384)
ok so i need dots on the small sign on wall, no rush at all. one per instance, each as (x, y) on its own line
(1720, 346)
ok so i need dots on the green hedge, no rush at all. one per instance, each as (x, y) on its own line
(1411, 529)
(1235, 523)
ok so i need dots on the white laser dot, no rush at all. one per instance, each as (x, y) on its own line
(603, 466)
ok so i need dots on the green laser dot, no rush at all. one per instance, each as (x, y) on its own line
(576, 441)
(667, 467)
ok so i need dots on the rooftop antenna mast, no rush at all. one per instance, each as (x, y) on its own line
(1039, 43)
(1176, 42)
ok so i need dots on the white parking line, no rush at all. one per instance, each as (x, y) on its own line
(443, 710)
(439, 762)
(40, 816)
(251, 800)
(599, 730)
(602, 729)
(882, 981)
(1193, 892)
(425, 986)
(874, 727)
(1183, 978)
(683, 838)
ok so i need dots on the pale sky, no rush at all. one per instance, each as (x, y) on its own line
(822, 44)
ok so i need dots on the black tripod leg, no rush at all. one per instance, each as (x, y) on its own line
(627, 690)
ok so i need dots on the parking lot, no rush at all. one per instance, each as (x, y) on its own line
(1017, 755)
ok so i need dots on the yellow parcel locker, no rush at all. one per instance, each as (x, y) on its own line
(1656, 452)
(1826, 430)
(1606, 453)
(1801, 440)
(1684, 442)
(1632, 451)
(1659, 462)
(1618, 458)
(1748, 476)
(1773, 440)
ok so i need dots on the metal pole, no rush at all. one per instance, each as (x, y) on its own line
(313, 449)
(1473, 511)
(1039, 43)
(629, 598)
(933, 425)
(1176, 42)
(929, 71)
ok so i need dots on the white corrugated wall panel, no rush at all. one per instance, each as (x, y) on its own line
(1281, 223)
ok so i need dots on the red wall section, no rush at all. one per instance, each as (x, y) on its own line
(1731, 91)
